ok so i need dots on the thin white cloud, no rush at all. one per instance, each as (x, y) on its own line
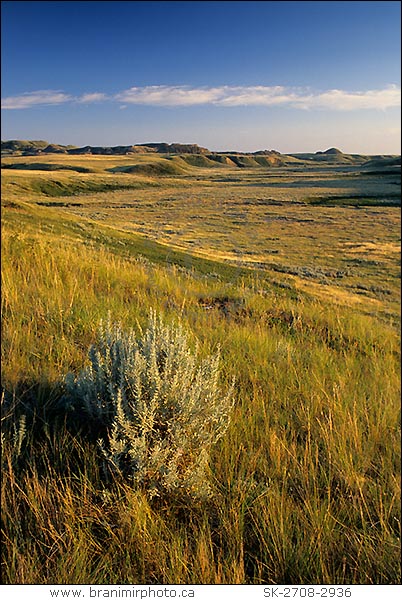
(261, 96)
(38, 98)
(224, 96)
(164, 95)
(256, 96)
(340, 100)
(89, 98)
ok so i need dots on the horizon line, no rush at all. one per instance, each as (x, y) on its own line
(231, 151)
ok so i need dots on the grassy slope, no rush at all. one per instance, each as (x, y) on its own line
(306, 481)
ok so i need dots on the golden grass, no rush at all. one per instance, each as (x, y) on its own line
(307, 479)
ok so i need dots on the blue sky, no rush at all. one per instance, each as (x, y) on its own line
(291, 76)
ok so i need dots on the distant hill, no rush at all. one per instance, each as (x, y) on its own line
(164, 148)
(33, 147)
(198, 156)
(332, 151)
(154, 169)
(333, 156)
(383, 161)
(383, 165)
(23, 145)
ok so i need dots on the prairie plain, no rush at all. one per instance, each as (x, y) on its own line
(294, 272)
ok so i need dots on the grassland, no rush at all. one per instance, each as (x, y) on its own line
(294, 272)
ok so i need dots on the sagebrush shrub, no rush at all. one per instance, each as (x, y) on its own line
(161, 404)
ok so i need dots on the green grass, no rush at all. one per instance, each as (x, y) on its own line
(155, 169)
(45, 167)
(306, 480)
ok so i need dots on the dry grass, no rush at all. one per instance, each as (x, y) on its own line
(306, 480)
